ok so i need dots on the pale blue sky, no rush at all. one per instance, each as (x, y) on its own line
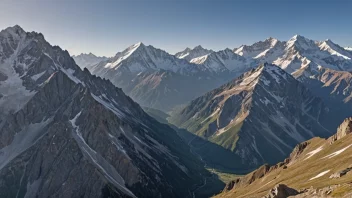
(105, 27)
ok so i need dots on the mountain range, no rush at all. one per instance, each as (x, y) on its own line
(189, 54)
(150, 75)
(67, 133)
(315, 71)
(67, 128)
(157, 79)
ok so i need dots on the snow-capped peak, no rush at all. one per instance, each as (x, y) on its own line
(258, 49)
(272, 41)
(124, 55)
(138, 44)
(135, 46)
(88, 60)
(14, 32)
(301, 43)
(334, 49)
(15, 28)
(189, 54)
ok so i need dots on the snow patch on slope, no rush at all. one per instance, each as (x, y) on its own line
(12, 88)
(23, 140)
(337, 152)
(37, 76)
(320, 175)
(107, 169)
(310, 154)
(109, 106)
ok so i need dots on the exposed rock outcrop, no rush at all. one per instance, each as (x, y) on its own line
(344, 129)
(229, 186)
(281, 191)
(341, 173)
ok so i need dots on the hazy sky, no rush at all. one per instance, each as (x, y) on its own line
(107, 26)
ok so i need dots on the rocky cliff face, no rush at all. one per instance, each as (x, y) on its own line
(344, 129)
(67, 133)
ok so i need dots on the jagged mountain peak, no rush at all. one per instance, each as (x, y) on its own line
(135, 46)
(90, 54)
(140, 45)
(335, 50)
(263, 75)
(14, 29)
(223, 61)
(227, 50)
(16, 32)
(299, 37)
(88, 60)
(140, 58)
(300, 41)
(189, 54)
(198, 47)
(271, 40)
(258, 49)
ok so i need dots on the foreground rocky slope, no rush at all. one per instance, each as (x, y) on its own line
(66, 133)
(260, 116)
(316, 168)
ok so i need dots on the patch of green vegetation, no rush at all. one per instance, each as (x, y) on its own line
(225, 176)
(205, 125)
(197, 126)
(229, 138)
(215, 156)
(160, 116)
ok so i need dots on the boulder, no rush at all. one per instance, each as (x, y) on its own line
(340, 173)
(281, 191)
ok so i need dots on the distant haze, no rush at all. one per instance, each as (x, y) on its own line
(106, 27)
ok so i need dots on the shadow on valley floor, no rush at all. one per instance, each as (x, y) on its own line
(214, 156)
(223, 164)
